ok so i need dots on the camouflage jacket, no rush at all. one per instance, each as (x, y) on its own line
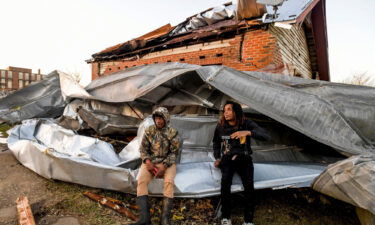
(160, 145)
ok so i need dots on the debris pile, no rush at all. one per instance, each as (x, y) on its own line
(91, 136)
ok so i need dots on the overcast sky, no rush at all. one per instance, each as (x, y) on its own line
(51, 34)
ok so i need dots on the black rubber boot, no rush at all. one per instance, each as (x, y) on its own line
(167, 208)
(144, 211)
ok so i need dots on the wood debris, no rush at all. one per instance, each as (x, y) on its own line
(114, 204)
(25, 215)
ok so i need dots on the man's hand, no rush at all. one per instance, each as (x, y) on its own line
(239, 134)
(161, 170)
(149, 165)
(217, 163)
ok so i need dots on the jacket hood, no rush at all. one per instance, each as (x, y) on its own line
(163, 112)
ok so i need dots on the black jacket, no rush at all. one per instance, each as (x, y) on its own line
(235, 146)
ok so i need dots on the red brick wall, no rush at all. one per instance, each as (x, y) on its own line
(253, 50)
(94, 70)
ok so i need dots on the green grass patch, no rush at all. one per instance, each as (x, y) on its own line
(4, 128)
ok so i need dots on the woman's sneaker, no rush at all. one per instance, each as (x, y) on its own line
(225, 221)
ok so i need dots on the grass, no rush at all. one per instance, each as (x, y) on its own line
(71, 201)
(4, 128)
(287, 207)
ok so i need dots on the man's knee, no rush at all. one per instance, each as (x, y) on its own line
(143, 180)
(168, 181)
(142, 188)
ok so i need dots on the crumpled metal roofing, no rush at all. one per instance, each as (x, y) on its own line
(208, 17)
(41, 99)
(338, 115)
(351, 180)
(57, 153)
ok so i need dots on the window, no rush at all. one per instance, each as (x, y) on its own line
(20, 75)
(10, 74)
(20, 84)
(38, 77)
(2, 82)
(3, 74)
(10, 83)
(27, 76)
(32, 76)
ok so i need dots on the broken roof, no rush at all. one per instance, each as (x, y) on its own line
(223, 22)
(211, 22)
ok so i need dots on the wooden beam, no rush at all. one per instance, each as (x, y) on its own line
(25, 215)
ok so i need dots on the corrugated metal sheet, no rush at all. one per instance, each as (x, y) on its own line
(289, 10)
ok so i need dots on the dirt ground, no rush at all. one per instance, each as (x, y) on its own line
(55, 202)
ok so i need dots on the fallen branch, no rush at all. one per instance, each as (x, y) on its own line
(111, 203)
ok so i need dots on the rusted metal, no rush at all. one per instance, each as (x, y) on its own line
(249, 9)
(157, 32)
(25, 215)
(112, 203)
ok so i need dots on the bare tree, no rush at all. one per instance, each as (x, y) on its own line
(75, 74)
(360, 79)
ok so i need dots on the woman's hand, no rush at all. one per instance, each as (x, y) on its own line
(239, 134)
(217, 163)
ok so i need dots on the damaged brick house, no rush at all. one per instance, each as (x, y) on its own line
(290, 38)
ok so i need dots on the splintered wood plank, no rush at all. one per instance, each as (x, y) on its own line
(25, 215)
(111, 203)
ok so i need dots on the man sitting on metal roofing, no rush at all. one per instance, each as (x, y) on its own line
(159, 148)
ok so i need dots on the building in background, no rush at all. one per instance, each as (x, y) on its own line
(14, 78)
(289, 38)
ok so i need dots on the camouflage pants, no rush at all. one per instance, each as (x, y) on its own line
(145, 177)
